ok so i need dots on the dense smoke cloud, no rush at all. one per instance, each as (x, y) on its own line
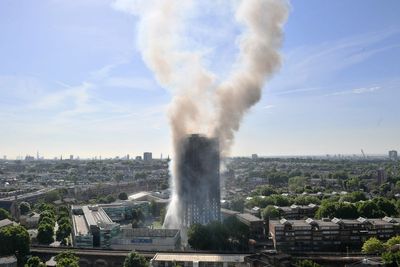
(258, 59)
(199, 104)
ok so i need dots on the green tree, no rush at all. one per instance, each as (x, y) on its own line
(307, 263)
(163, 213)
(4, 214)
(346, 211)
(369, 209)
(24, 207)
(52, 196)
(385, 206)
(230, 235)
(238, 234)
(199, 236)
(47, 214)
(265, 190)
(63, 231)
(41, 207)
(34, 262)
(135, 260)
(270, 212)
(45, 233)
(122, 196)
(391, 259)
(47, 220)
(219, 236)
(119, 177)
(395, 240)
(297, 182)
(305, 200)
(280, 200)
(326, 210)
(340, 175)
(67, 259)
(153, 208)
(373, 246)
(353, 183)
(354, 197)
(110, 199)
(237, 204)
(14, 241)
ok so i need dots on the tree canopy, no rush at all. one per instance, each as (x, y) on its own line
(122, 196)
(14, 241)
(34, 262)
(135, 260)
(229, 235)
(67, 259)
(24, 207)
(4, 214)
(270, 212)
(373, 246)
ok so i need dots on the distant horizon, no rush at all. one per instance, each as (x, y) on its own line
(157, 157)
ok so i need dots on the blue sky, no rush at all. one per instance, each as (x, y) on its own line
(72, 80)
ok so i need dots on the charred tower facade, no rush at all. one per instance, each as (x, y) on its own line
(198, 185)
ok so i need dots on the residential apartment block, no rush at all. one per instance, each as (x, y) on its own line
(329, 235)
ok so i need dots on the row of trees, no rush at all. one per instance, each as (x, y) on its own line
(47, 222)
(69, 259)
(64, 225)
(49, 215)
(64, 259)
(279, 200)
(375, 208)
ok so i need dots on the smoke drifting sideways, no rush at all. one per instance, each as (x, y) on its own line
(200, 104)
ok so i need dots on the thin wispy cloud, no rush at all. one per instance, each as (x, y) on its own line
(78, 95)
(317, 64)
(356, 91)
(268, 107)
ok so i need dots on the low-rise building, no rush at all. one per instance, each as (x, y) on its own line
(255, 224)
(198, 260)
(124, 210)
(92, 227)
(10, 261)
(146, 239)
(30, 221)
(329, 235)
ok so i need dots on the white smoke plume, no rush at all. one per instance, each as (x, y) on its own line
(200, 105)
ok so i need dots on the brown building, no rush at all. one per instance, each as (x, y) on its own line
(329, 235)
(255, 224)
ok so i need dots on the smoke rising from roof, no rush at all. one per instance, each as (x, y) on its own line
(199, 104)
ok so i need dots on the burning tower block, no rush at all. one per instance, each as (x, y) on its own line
(198, 185)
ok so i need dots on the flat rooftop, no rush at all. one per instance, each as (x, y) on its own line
(248, 217)
(147, 232)
(195, 257)
(139, 196)
(95, 215)
(80, 226)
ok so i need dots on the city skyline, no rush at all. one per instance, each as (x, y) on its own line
(80, 86)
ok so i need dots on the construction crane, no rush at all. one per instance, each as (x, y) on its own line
(362, 152)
